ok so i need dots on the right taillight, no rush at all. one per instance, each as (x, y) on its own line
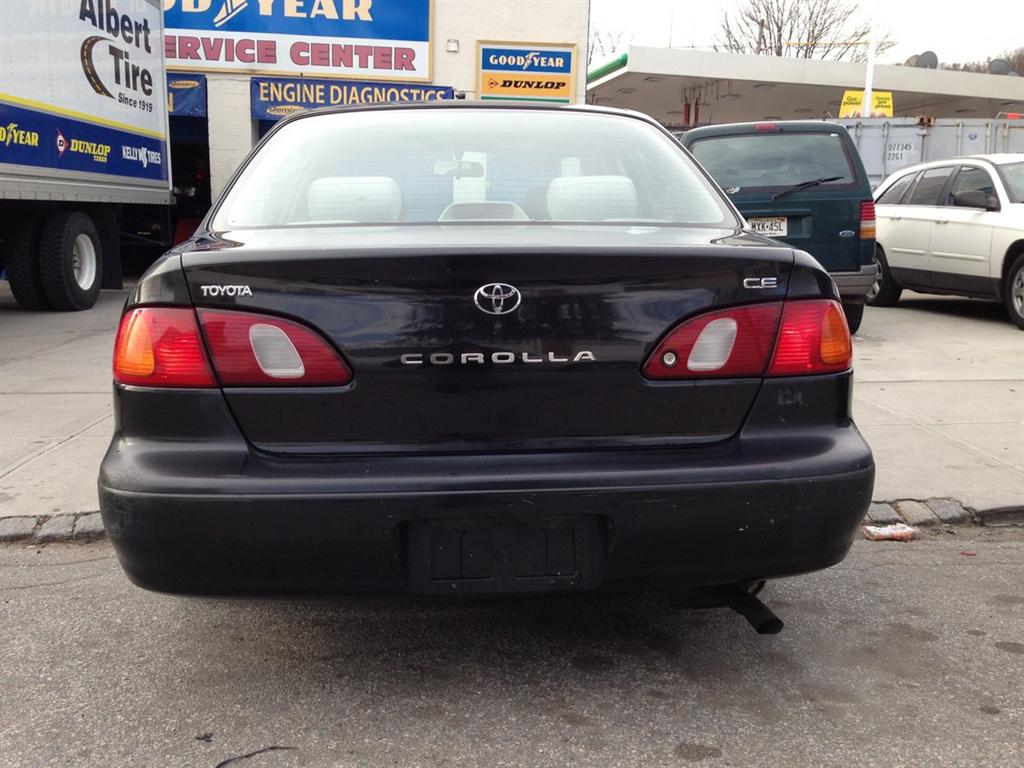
(728, 343)
(813, 338)
(775, 339)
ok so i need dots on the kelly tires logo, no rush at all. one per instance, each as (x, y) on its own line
(142, 155)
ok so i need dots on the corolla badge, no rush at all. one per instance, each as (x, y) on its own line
(497, 298)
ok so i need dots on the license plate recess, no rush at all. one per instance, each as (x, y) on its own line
(523, 554)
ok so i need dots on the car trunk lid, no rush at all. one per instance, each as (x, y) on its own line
(440, 366)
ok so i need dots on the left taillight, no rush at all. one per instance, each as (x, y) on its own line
(161, 347)
(867, 220)
(253, 350)
(164, 347)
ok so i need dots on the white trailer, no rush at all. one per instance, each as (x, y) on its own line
(888, 144)
(83, 141)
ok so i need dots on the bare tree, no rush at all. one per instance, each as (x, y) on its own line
(603, 45)
(805, 29)
(1014, 58)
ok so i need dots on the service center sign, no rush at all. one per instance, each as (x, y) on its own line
(526, 72)
(379, 39)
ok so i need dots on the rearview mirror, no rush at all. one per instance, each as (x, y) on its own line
(975, 198)
(458, 169)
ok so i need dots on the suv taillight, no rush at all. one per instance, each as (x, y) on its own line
(163, 347)
(811, 337)
(867, 220)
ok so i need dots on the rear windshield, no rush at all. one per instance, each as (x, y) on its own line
(768, 160)
(448, 166)
(1013, 178)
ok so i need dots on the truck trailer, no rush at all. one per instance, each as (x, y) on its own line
(83, 143)
(889, 144)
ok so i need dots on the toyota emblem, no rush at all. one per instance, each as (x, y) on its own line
(497, 298)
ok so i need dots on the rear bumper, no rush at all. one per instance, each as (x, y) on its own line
(679, 534)
(213, 517)
(855, 284)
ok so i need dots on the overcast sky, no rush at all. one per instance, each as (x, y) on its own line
(956, 31)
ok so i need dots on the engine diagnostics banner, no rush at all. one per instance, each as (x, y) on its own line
(277, 97)
(527, 72)
(379, 39)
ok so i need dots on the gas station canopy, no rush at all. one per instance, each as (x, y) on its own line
(684, 87)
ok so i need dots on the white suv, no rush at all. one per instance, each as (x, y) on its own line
(953, 226)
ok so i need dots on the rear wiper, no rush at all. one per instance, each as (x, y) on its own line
(804, 185)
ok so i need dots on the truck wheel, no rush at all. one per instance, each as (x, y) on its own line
(23, 263)
(885, 292)
(1013, 292)
(71, 261)
(854, 312)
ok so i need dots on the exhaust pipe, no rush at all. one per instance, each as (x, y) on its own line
(753, 610)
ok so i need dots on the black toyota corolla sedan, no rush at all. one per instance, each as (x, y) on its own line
(472, 349)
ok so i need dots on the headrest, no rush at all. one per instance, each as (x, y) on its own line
(591, 198)
(362, 199)
(489, 210)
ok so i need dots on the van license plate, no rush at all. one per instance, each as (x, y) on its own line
(773, 226)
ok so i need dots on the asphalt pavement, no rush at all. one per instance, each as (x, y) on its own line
(903, 655)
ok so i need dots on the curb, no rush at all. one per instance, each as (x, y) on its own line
(46, 529)
(941, 511)
(88, 526)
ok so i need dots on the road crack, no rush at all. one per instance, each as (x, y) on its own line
(230, 760)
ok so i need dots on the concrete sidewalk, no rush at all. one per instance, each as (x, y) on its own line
(55, 405)
(939, 396)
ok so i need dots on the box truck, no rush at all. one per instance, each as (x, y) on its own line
(83, 143)
(887, 145)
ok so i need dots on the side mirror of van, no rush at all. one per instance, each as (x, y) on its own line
(975, 198)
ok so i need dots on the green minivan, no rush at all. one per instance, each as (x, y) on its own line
(802, 182)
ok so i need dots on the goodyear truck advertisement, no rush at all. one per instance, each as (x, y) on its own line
(83, 89)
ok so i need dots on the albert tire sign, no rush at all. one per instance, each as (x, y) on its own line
(375, 39)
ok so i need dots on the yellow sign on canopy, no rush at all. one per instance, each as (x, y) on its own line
(853, 104)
